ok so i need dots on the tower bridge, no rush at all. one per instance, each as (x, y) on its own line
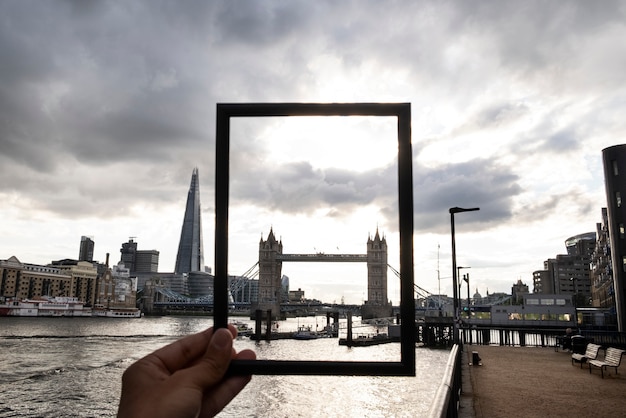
(271, 258)
(342, 258)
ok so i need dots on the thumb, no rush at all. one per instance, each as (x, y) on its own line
(212, 367)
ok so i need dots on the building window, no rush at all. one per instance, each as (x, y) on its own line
(615, 169)
(624, 263)
(621, 231)
(618, 199)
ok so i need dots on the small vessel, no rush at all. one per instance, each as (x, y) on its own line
(366, 340)
(243, 329)
(101, 311)
(305, 333)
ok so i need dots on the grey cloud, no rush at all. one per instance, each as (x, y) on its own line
(257, 24)
(500, 114)
(550, 137)
(544, 206)
(527, 37)
(101, 83)
(478, 183)
(563, 141)
(300, 188)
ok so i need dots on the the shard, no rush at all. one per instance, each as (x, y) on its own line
(190, 255)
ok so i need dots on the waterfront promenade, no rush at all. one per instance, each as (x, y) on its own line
(538, 382)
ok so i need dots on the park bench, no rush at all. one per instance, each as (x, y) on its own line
(590, 354)
(612, 358)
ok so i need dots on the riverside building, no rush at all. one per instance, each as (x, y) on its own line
(63, 278)
(569, 273)
(26, 281)
(602, 287)
(614, 163)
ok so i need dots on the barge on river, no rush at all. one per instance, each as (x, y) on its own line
(62, 307)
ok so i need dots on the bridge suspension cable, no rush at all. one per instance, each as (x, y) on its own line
(251, 271)
(421, 292)
(237, 283)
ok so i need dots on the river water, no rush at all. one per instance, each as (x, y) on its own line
(72, 367)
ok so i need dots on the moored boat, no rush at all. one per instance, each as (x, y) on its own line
(45, 306)
(365, 340)
(117, 312)
(305, 333)
(243, 329)
(61, 306)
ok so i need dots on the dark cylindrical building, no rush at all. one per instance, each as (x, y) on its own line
(614, 161)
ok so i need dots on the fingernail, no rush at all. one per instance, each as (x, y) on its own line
(222, 339)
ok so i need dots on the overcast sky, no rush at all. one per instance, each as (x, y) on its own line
(107, 106)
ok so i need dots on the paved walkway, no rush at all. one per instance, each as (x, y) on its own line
(538, 382)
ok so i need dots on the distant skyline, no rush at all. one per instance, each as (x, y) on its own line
(106, 107)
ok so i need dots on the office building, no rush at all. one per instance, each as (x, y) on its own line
(614, 162)
(139, 261)
(128, 251)
(602, 288)
(542, 281)
(200, 284)
(86, 249)
(146, 261)
(569, 273)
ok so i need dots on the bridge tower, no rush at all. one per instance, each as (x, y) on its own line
(269, 276)
(377, 304)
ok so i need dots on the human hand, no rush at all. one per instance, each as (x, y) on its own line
(185, 378)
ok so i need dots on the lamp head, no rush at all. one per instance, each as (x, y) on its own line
(457, 209)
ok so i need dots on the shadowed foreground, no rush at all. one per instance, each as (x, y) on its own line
(539, 382)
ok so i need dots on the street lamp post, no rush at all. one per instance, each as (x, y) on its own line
(459, 283)
(454, 272)
(466, 278)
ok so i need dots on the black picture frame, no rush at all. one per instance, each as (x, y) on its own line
(402, 111)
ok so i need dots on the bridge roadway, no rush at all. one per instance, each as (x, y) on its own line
(286, 307)
(344, 258)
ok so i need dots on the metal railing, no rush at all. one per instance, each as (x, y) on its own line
(447, 398)
(511, 336)
(544, 337)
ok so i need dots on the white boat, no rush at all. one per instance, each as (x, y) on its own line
(60, 307)
(243, 329)
(45, 306)
(101, 311)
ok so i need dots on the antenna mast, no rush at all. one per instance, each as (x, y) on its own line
(438, 276)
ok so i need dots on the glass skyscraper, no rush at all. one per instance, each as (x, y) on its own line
(86, 249)
(190, 255)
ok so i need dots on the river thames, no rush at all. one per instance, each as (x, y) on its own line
(72, 367)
